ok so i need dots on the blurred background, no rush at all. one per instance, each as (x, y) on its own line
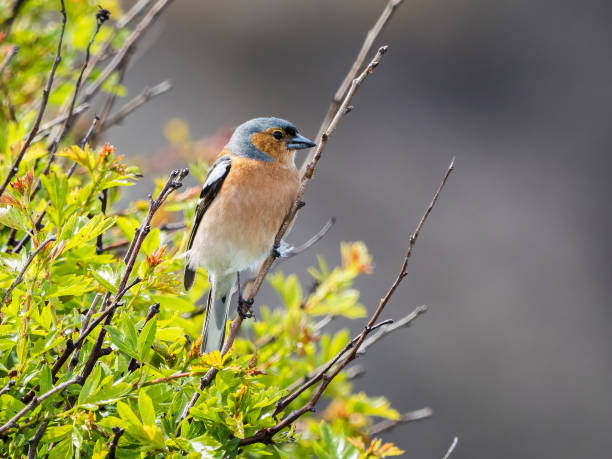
(514, 353)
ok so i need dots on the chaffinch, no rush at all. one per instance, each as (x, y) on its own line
(246, 195)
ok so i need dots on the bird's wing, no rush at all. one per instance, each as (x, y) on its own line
(210, 189)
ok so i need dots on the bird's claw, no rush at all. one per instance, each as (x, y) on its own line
(282, 250)
(244, 308)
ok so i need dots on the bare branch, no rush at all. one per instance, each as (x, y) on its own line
(146, 95)
(384, 331)
(36, 439)
(7, 57)
(100, 19)
(282, 403)
(43, 105)
(451, 448)
(36, 401)
(411, 416)
(60, 119)
(19, 277)
(112, 446)
(312, 241)
(366, 47)
(126, 49)
(7, 387)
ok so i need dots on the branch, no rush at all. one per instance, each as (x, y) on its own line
(125, 50)
(371, 36)
(36, 439)
(112, 446)
(385, 328)
(146, 95)
(7, 387)
(43, 105)
(60, 119)
(282, 403)
(384, 331)
(310, 242)
(254, 286)
(7, 57)
(101, 17)
(411, 416)
(19, 277)
(84, 324)
(327, 376)
(451, 448)
(36, 401)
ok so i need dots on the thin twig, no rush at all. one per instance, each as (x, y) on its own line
(125, 49)
(7, 57)
(451, 448)
(366, 47)
(411, 416)
(282, 403)
(43, 105)
(122, 23)
(112, 446)
(84, 323)
(19, 277)
(7, 387)
(36, 401)
(384, 331)
(60, 119)
(141, 99)
(36, 439)
(310, 242)
(103, 202)
(101, 17)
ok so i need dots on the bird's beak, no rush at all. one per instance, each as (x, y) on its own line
(300, 142)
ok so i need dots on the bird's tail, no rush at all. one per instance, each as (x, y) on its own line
(217, 307)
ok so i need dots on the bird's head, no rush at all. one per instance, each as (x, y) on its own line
(267, 139)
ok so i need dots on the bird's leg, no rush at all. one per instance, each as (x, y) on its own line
(244, 306)
(282, 250)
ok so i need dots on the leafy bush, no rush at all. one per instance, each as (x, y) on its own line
(99, 343)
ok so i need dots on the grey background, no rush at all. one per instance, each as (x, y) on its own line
(513, 355)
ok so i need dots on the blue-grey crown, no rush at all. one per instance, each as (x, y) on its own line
(240, 143)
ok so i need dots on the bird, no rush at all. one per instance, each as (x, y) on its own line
(245, 197)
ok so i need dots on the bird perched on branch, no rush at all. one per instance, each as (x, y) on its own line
(246, 195)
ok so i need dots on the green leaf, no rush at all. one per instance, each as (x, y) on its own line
(91, 384)
(127, 415)
(147, 411)
(46, 379)
(147, 335)
(13, 218)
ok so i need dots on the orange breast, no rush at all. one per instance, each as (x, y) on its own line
(250, 207)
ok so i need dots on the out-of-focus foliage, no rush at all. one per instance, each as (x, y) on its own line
(272, 355)
(36, 31)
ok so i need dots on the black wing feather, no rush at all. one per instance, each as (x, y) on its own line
(210, 189)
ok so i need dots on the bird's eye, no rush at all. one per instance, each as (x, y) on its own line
(277, 135)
